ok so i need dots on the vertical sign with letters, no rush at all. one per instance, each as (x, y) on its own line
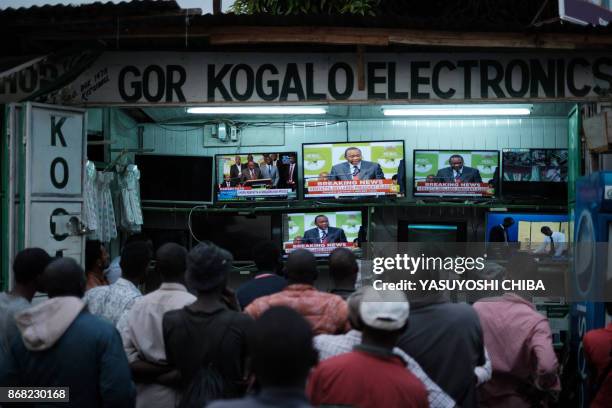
(55, 151)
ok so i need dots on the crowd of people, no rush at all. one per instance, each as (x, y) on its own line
(277, 341)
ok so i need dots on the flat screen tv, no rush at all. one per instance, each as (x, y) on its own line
(434, 231)
(353, 169)
(534, 173)
(176, 179)
(526, 230)
(247, 177)
(456, 173)
(305, 230)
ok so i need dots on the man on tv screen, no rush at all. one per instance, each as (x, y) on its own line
(323, 233)
(236, 168)
(457, 172)
(269, 171)
(289, 173)
(355, 168)
(251, 172)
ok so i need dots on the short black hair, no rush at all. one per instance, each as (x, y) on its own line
(319, 216)
(342, 264)
(351, 148)
(281, 348)
(302, 267)
(171, 261)
(455, 156)
(135, 258)
(64, 277)
(29, 264)
(266, 255)
(508, 220)
(545, 228)
(93, 252)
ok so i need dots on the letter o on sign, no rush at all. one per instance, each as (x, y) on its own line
(59, 161)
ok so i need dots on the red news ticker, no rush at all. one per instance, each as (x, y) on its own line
(427, 187)
(351, 186)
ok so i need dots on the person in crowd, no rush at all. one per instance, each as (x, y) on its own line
(554, 243)
(499, 233)
(266, 256)
(343, 270)
(63, 345)
(236, 168)
(598, 354)
(355, 168)
(371, 375)
(519, 342)
(326, 312)
(457, 172)
(113, 273)
(444, 338)
(251, 159)
(251, 172)
(112, 301)
(142, 333)
(298, 240)
(97, 261)
(269, 171)
(28, 266)
(329, 345)
(227, 182)
(208, 335)
(274, 160)
(282, 355)
(323, 233)
(289, 174)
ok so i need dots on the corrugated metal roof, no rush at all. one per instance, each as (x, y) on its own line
(133, 6)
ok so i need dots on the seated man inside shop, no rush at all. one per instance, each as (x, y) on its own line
(323, 233)
(554, 243)
(457, 172)
(355, 168)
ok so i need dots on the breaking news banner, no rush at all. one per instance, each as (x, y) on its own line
(456, 173)
(321, 232)
(353, 169)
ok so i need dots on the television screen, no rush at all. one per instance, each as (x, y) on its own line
(526, 230)
(322, 232)
(353, 169)
(435, 231)
(533, 173)
(185, 179)
(256, 177)
(456, 173)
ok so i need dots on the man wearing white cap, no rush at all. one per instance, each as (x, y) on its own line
(371, 375)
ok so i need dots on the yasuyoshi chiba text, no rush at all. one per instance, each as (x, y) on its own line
(478, 285)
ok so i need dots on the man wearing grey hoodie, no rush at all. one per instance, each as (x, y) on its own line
(63, 345)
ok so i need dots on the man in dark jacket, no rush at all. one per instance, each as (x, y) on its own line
(63, 345)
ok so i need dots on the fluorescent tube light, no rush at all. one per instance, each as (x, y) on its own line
(258, 110)
(461, 111)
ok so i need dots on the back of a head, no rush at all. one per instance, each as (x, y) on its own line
(93, 252)
(29, 264)
(64, 277)
(208, 267)
(281, 348)
(171, 262)
(342, 264)
(302, 267)
(135, 258)
(266, 255)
